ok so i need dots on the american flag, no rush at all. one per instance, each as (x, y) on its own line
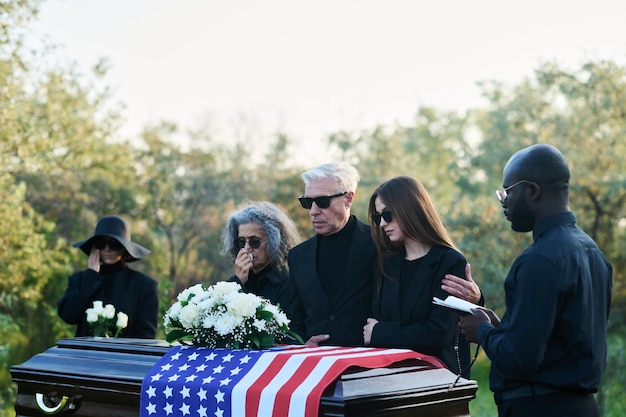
(203, 382)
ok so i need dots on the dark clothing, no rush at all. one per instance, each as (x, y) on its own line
(558, 295)
(269, 284)
(407, 317)
(332, 257)
(343, 313)
(550, 405)
(130, 291)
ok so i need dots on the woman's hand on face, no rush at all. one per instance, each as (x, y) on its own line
(243, 265)
(93, 261)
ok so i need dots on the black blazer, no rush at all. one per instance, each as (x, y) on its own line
(409, 319)
(130, 291)
(344, 314)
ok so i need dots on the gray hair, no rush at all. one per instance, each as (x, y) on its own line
(343, 174)
(282, 233)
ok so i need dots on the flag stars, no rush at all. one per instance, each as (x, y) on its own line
(169, 408)
(191, 378)
(184, 392)
(156, 377)
(228, 358)
(151, 408)
(151, 392)
(166, 367)
(219, 413)
(201, 368)
(235, 371)
(245, 359)
(207, 380)
(175, 356)
(168, 392)
(202, 394)
(219, 397)
(210, 357)
(184, 409)
(225, 381)
(183, 368)
(218, 369)
(202, 412)
(173, 378)
(193, 357)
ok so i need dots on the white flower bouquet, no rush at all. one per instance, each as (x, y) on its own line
(225, 316)
(104, 322)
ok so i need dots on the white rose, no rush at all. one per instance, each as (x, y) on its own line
(224, 288)
(122, 320)
(92, 316)
(109, 311)
(243, 305)
(195, 290)
(188, 316)
(98, 308)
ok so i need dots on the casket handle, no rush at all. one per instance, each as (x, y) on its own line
(65, 402)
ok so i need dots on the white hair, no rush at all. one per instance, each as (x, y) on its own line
(343, 174)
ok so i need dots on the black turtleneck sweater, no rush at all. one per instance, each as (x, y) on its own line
(332, 256)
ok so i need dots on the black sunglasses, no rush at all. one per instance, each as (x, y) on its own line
(101, 243)
(386, 215)
(322, 202)
(254, 242)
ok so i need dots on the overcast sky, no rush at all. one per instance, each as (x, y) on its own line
(310, 68)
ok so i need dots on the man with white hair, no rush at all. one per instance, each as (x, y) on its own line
(331, 273)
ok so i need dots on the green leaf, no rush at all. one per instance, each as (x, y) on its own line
(178, 335)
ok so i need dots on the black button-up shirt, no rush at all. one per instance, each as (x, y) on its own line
(558, 295)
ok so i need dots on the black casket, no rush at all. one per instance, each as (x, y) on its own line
(102, 377)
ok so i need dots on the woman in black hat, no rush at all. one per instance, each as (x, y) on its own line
(109, 279)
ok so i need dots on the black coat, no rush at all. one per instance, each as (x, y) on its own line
(344, 314)
(409, 319)
(130, 291)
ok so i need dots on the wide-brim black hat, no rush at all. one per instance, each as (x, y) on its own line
(119, 229)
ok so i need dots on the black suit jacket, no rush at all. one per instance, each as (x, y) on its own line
(340, 315)
(409, 319)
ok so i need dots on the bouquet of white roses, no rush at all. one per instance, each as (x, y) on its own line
(223, 315)
(103, 320)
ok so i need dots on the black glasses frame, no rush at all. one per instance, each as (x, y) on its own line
(501, 195)
(254, 242)
(385, 215)
(101, 243)
(321, 201)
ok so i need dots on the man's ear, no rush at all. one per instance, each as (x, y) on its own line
(349, 198)
(534, 190)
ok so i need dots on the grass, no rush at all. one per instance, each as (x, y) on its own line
(482, 405)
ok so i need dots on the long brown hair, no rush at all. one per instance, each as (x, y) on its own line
(413, 211)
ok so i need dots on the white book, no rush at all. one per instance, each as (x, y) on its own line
(456, 303)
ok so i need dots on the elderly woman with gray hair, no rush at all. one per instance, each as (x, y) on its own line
(258, 237)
